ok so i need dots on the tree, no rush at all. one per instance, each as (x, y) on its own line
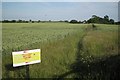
(80, 22)
(30, 20)
(19, 21)
(94, 19)
(38, 21)
(84, 21)
(5, 21)
(97, 19)
(66, 21)
(13, 21)
(111, 21)
(106, 17)
(89, 21)
(94, 16)
(73, 21)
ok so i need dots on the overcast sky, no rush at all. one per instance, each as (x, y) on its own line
(58, 10)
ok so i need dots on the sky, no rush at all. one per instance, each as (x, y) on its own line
(58, 10)
(60, 0)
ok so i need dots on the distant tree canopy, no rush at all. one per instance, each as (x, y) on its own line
(93, 19)
(73, 21)
(66, 21)
(15, 21)
(97, 19)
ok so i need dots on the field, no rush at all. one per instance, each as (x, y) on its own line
(68, 50)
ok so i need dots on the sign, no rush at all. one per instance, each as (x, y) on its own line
(26, 57)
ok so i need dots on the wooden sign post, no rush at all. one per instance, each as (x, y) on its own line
(27, 57)
(27, 72)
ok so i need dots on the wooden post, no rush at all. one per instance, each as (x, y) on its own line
(27, 72)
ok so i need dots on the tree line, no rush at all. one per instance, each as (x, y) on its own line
(93, 19)
(29, 21)
(97, 19)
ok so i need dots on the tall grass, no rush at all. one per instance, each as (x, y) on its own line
(101, 43)
(77, 51)
(97, 56)
(57, 54)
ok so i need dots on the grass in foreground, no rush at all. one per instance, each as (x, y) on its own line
(88, 55)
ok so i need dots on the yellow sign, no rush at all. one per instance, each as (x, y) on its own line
(26, 57)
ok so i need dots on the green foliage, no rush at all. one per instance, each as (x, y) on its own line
(73, 21)
(97, 19)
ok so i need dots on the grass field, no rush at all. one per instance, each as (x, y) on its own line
(68, 50)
